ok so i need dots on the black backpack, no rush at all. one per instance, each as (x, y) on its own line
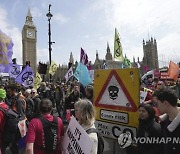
(50, 134)
(100, 139)
(11, 132)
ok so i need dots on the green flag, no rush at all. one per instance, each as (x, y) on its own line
(127, 62)
(117, 47)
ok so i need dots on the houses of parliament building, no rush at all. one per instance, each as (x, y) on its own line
(29, 51)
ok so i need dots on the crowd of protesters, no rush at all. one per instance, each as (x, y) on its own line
(28, 104)
(158, 114)
(159, 117)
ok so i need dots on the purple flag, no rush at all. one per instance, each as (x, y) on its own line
(26, 77)
(6, 52)
(83, 57)
(14, 70)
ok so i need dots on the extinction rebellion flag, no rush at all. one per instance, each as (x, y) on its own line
(26, 77)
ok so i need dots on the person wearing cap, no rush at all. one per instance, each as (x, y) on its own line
(3, 105)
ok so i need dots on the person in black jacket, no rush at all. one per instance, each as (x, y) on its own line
(74, 96)
(35, 97)
(166, 100)
(44, 91)
(148, 128)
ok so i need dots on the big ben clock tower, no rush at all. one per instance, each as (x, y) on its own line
(29, 39)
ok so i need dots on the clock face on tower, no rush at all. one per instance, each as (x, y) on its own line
(30, 34)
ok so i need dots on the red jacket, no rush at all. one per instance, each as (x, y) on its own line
(2, 120)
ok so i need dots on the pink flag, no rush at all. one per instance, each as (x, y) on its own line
(146, 68)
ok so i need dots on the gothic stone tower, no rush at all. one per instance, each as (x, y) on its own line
(29, 39)
(108, 53)
(150, 58)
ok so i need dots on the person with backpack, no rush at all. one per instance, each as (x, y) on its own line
(17, 100)
(85, 114)
(4, 106)
(14, 114)
(45, 133)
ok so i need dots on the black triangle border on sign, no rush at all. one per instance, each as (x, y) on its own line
(133, 107)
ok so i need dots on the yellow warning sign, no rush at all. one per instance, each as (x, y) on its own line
(116, 96)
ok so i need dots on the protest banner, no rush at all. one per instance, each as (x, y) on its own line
(76, 139)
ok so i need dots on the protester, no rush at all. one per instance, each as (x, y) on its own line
(17, 100)
(167, 103)
(89, 92)
(44, 91)
(155, 83)
(35, 97)
(59, 98)
(29, 104)
(176, 87)
(74, 96)
(36, 137)
(85, 114)
(3, 105)
(148, 128)
(11, 133)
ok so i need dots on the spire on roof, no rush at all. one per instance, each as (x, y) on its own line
(97, 55)
(108, 48)
(29, 13)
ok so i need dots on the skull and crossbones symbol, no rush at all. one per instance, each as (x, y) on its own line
(113, 92)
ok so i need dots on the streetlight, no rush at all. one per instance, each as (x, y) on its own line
(49, 15)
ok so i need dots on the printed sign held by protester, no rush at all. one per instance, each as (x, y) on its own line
(76, 139)
(143, 95)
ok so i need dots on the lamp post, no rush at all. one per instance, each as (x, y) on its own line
(49, 15)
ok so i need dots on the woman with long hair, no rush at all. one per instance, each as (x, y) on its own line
(85, 114)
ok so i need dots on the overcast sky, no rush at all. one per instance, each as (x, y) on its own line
(90, 24)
